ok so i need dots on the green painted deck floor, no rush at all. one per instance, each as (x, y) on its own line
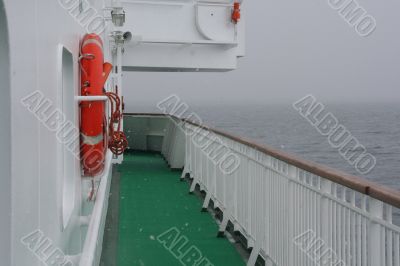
(160, 223)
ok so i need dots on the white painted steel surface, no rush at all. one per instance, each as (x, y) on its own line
(182, 35)
(271, 203)
(35, 181)
(36, 30)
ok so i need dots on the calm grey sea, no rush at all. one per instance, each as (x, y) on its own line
(376, 126)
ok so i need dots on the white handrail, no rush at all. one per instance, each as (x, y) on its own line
(290, 216)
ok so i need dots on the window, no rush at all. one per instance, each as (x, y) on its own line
(67, 161)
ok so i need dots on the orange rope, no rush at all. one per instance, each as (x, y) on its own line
(117, 141)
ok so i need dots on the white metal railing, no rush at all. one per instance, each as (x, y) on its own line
(92, 247)
(291, 215)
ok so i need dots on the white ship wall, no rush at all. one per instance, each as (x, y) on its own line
(36, 30)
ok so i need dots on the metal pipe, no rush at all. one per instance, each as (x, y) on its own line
(91, 98)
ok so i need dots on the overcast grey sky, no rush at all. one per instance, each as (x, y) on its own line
(294, 48)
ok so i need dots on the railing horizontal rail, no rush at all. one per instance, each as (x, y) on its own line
(359, 184)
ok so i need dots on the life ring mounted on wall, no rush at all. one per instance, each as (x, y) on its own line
(95, 135)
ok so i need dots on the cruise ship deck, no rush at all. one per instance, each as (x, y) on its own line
(153, 220)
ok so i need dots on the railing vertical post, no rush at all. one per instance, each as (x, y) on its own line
(376, 211)
(189, 150)
(187, 153)
(290, 212)
(389, 219)
(326, 189)
(186, 156)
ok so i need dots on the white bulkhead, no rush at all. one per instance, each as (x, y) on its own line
(46, 194)
(182, 35)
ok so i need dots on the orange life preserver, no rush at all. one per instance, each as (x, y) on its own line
(94, 74)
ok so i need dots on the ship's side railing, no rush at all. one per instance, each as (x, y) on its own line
(292, 211)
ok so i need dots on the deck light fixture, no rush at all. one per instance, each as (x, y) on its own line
(118, 16)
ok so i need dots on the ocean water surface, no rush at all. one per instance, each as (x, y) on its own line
(376, 126)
